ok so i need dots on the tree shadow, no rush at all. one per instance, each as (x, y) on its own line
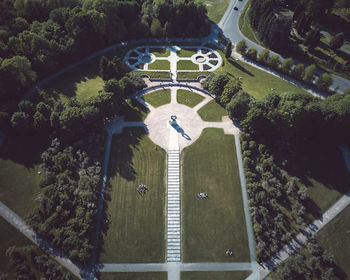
(120, 159)
(240, 67)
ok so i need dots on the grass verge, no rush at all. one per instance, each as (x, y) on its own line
(135, 233)
(188, 98)
(245, 27)
(256, 82)
(158, 98)
(216, 9)
(133, 276)
(186, 52)
(154, 74)
(217, 275)
(160, 52)
(159, 65)
(212, 112)
(186, 65)
(191, 75)
(212, 226)
(334, 238)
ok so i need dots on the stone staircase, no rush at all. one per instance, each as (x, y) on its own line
(174, 216)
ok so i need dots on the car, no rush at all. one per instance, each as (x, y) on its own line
(235, 8)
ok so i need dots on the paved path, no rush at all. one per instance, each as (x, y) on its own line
(21, 226)
(311, 230)
(107, 267)
(246, 209)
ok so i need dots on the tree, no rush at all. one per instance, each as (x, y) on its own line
(324, 82)
(239, 105)
(112, 85)
(274, 62)
(298, 10)
(298, 71)
(103, 68)
(337, 41)
(309, 73)
(217, 84)
(264, 57)
(156, 28)
(313, 38)
(228, 50)
(241, 47)
(230, 89)
(287, 65)
(252, 54)
(21, 122)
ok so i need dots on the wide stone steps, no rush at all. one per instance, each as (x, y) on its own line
(174, 214)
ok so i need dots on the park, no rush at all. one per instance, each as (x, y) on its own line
(178, 155)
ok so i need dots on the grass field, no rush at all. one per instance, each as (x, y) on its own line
(135, 233)
(191, 75)
(186, 52)
(255, 82)
(9, 236)
(245, 27)
(217, 275)
(133, 110)
(154, 74)
(133, 276)
(158, 98)
(89, 87)
(159, 65)
(335, 239)
(186, 65)
(216, 9)
(212, 112)
(160, 52)
(19, 178)
(192, 98)
(212, 226)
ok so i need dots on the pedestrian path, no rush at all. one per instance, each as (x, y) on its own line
(174, 216)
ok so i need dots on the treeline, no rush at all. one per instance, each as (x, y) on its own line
(287, 67)
(295, 117)
(66, 210)
(29, 262)
(37, 36)
(47, 114)
(272, 29)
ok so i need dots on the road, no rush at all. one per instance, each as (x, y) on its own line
(230, 28)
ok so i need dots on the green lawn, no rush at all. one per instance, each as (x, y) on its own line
(19, 178)
(212, 226)
(159, 65)
(216, 9)
(82, 81)
(158, 98)
(255, 82)
(217, 275)
(186, 52)
(133, 276)
(155, 74)
(160, 52)
(89, 87)
(135, 233)
(9, 236)
(186, 65)
(188, 98)
(191, 75)
(212, 112)
(133, 110)
(335, 239)
(245, 27)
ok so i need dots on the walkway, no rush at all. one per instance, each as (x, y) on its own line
(21, 226)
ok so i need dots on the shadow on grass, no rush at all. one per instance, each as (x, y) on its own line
(24, 150)
(240, 67)
(132, 110)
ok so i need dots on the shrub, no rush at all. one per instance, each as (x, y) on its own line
(252, 54)
(241, 47)
(264, 57)
(324, 82)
